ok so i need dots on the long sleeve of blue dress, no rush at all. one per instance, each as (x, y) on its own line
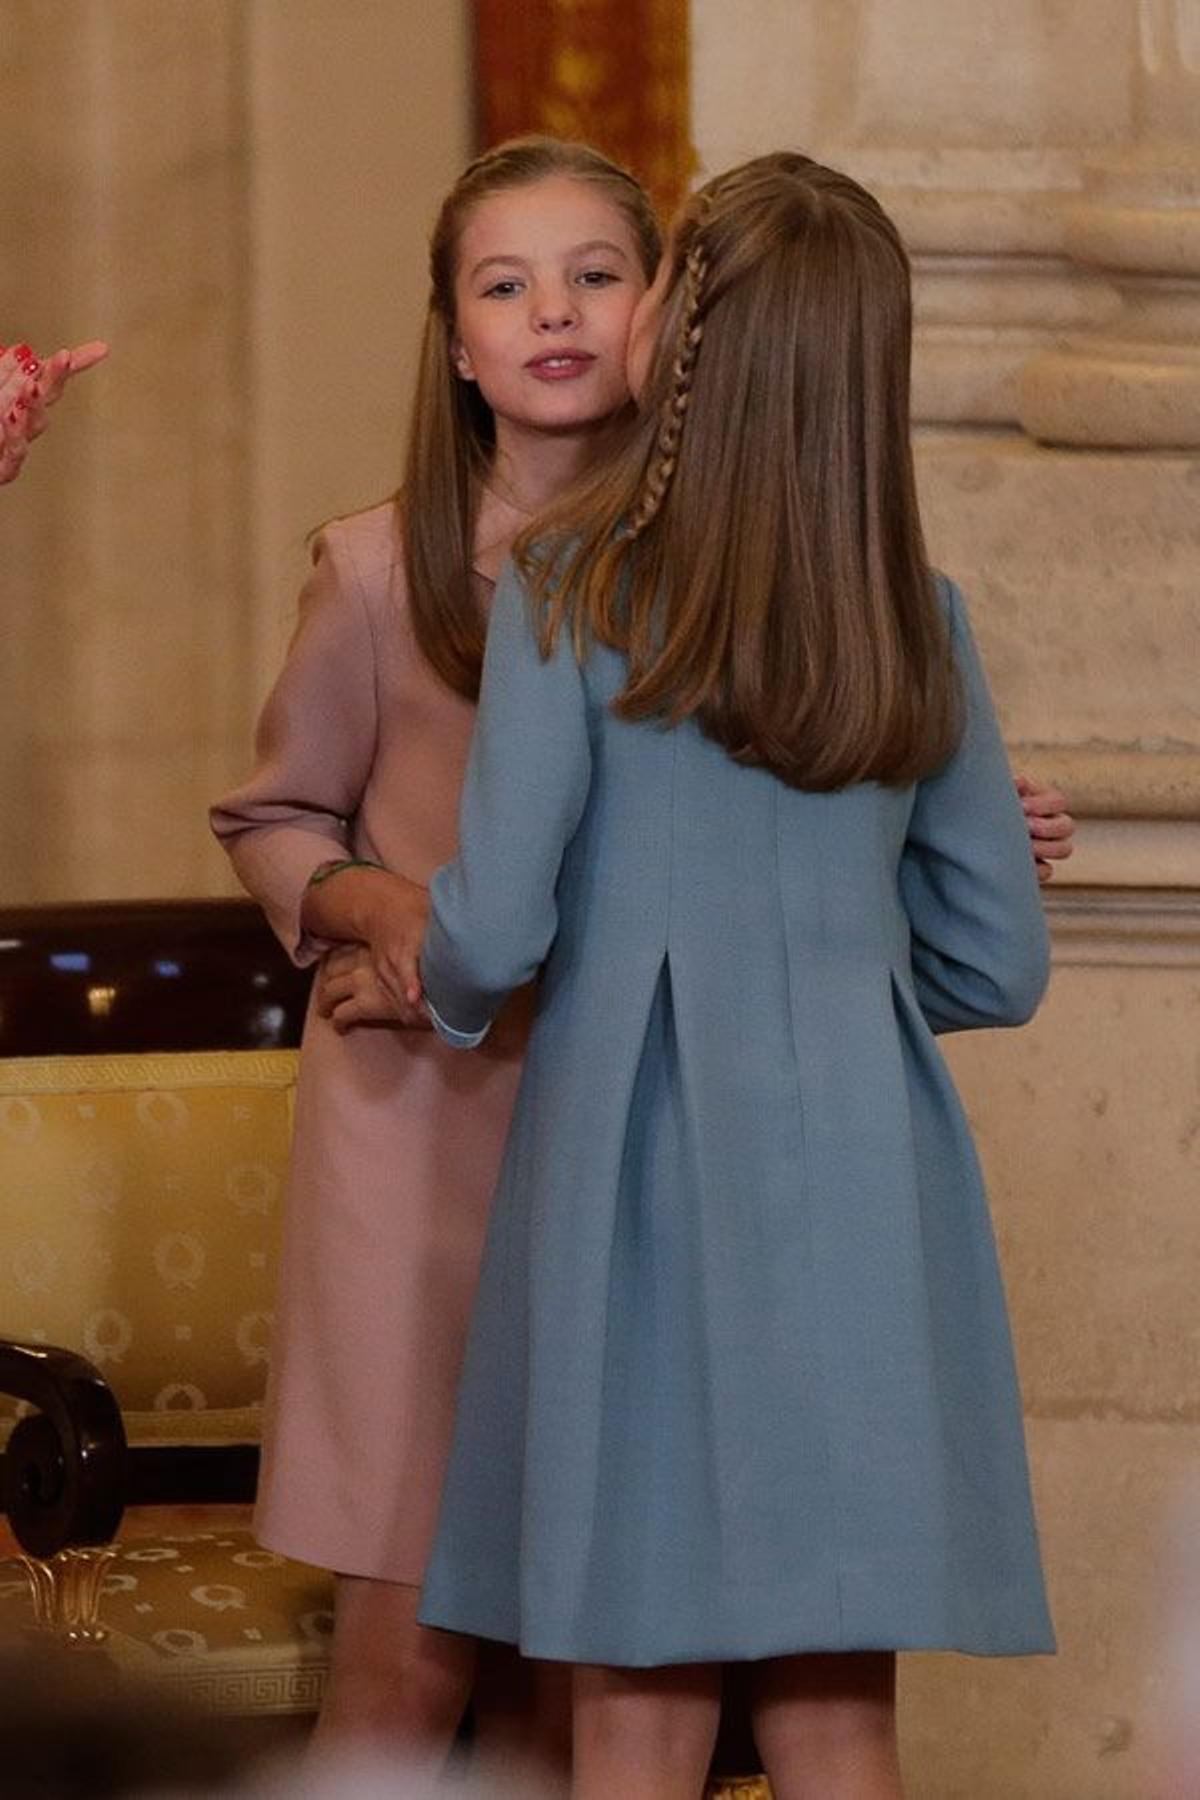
(493, 911)
(980, 952)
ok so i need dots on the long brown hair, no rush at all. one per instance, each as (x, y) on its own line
(755, 548)
(452, 434)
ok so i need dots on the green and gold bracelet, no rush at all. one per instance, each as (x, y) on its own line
(324, 870)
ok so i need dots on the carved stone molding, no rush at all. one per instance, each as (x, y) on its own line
(973, 124)
(1134, 381)
(1149, 927)
(1117, 781)
(993, 284)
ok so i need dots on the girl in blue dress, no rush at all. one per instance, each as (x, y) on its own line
(740, 1383)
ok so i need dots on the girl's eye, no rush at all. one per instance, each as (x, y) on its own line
(597, 277)
(502, 290)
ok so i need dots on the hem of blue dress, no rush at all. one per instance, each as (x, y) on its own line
(550, 1649)
(867, 1623)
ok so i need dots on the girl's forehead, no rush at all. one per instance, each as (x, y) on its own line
(556, 212)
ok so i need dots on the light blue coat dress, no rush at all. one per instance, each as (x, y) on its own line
(740, 1380)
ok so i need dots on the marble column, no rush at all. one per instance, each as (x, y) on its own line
(959, 119)
(1134, 380)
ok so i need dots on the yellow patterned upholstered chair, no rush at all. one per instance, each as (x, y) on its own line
(147, 1064)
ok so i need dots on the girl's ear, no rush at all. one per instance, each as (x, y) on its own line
(460, 360)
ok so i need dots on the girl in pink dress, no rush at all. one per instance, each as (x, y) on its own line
(539, 256)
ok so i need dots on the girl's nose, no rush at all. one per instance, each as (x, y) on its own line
(555, 313)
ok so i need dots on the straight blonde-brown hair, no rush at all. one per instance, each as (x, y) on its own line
(452, 434)
(755, 548)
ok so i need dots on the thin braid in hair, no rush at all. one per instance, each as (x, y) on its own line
(674, 410)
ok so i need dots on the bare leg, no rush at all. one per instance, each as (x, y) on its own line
(522, 1725)
(395, 1688)
(645, 1734)
(825, 1726)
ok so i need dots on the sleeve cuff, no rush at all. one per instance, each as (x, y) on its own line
(458, 1040)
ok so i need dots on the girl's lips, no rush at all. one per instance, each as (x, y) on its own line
(563, 365)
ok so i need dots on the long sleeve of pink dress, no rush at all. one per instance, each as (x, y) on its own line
(315, 747)
(361, 749)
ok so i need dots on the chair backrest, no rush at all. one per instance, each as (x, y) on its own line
(116, 976)
(147, 1066)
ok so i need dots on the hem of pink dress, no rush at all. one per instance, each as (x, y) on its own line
(323, 1550)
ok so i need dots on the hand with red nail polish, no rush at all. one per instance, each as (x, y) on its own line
(28, 386)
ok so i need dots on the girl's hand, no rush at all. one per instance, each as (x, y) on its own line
(28, 386)
(20, 374)
(387, 913)
(372, 906)
(350, 993)
(1051, 827)
(395, 925)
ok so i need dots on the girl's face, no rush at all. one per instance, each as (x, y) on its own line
(644, 328)
(548, 278)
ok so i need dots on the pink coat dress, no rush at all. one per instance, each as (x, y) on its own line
(362, 750)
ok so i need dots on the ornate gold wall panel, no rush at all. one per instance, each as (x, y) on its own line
(613, 72)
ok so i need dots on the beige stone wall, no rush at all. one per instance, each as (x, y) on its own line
(1088, 1123)
(236, 193)
(122, 548)
(362, 119)
(1043, 161)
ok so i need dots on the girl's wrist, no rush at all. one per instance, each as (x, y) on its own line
(324, 870)
(339, 898)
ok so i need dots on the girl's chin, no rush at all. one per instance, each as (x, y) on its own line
(567, 421)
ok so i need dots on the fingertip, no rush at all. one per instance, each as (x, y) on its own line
(85, 356)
